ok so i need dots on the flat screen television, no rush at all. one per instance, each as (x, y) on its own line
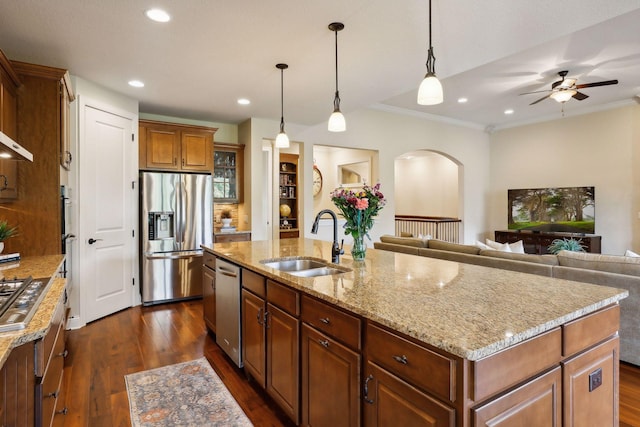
(566, 209)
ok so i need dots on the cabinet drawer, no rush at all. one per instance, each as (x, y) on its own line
(590, 330)
(333, 321)
(411, 362)
(209, 260)
(52, 380)
(253, 282)
(45, 347)
(283, 297)
(515, 364)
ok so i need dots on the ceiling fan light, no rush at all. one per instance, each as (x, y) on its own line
(337, 123)
(563, 95)
(430, 91)
(282, 140)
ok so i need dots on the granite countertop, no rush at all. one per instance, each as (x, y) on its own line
(467, 310)
(36, 267)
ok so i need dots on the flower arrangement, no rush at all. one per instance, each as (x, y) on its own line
(359, 208)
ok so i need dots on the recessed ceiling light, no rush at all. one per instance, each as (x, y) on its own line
(136, 83)
(509, 111)
(243, 101)
(462, 100)
(158, 15)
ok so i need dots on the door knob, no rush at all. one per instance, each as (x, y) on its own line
(92, 241)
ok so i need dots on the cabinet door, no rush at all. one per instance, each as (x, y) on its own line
(389, 401)
(282, 360)
(8, 125)
(163, 148)
(590, 382)
(253, 336)
(536, 403)
(209, 297)
(196, 150)
(330, 381)
(17, 385)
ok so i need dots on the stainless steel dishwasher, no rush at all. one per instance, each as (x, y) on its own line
(228, 290)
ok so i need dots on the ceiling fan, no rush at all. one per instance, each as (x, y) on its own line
(565, 89)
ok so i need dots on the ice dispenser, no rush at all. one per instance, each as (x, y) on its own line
(161, 225)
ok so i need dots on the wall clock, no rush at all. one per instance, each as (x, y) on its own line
(317, 181)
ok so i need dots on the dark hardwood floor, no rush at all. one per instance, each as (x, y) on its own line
(140, 338)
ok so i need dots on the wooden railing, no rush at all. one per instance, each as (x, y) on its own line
(447, 229)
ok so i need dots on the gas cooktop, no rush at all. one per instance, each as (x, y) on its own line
(19, 299)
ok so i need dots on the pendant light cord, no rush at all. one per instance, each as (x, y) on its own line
(281, 100)
(431, 59)
(336, 99)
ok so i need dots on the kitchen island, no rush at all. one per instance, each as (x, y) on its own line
(457, 343)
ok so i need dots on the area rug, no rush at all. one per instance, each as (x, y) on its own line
(185, 394)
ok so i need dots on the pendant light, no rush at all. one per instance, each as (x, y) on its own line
(430, 91)
(282, 140)
(336, 120)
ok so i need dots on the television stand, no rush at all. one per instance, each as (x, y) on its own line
(537, 242)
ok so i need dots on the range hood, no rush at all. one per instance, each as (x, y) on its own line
(9, 149)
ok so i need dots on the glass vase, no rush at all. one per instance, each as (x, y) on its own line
(359, 249)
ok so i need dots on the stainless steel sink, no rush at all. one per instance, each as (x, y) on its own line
(303, 267)
(313, 272)
(294, 264)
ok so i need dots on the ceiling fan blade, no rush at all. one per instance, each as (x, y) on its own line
(604, 83)
(580, 96)
(541, 99)
(536, 91)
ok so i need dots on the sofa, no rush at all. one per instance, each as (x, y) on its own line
(610, 270)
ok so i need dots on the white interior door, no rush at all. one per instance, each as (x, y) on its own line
(107, 212)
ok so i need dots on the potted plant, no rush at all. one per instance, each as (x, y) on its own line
(565, 245)
(225, 216)
(6, 231)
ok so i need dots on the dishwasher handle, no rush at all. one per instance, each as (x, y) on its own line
(227, 272)
(174, 255)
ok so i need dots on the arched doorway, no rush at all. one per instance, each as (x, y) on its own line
(428, 195)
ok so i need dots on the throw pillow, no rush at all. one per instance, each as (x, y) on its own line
(483, 246)
(517, 247)
(631, 253)
(504, 247)
(405, 234)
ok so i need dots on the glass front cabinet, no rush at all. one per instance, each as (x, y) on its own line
(227, 172)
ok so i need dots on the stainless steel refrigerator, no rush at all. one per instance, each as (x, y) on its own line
(175, 219)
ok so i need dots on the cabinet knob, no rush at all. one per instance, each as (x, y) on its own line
(63, 411)
(324, 343)
(64, 354)
(54, 394)
(259, 316)
(325, 320)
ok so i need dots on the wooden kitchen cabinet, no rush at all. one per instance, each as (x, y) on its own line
(536, 403)
(17, 384)
(9, 83)
(228, 172)
(270, 330)
(49, 369)
(175, 147)
(40, 129)
(330, 345)
(390, 401)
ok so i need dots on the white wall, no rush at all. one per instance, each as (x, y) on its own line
(597, 149)
(393, 135)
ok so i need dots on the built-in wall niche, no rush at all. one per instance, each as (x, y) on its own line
(354, 174)
(342, 167)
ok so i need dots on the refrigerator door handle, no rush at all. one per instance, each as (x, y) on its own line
(173, 255)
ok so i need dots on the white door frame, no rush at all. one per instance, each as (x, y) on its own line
(80, 253)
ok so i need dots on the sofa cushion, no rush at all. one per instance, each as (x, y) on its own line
(453, 247)
(538, 259)
(408, 241)
(608, 263)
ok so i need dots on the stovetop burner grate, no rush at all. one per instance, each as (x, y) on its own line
(19, 299)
